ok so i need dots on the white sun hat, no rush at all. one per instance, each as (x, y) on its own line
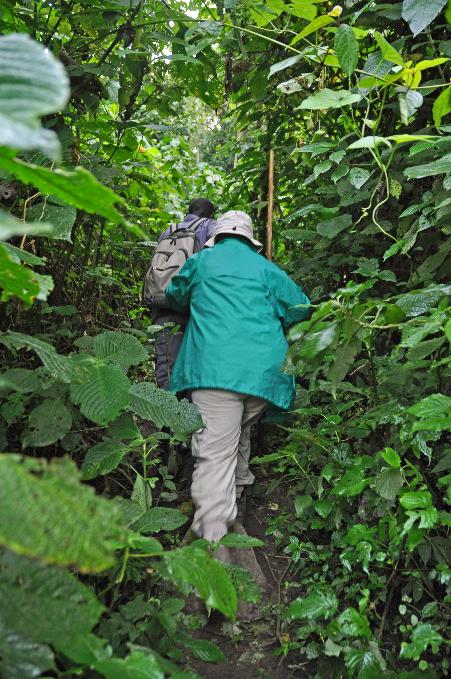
(235, 223)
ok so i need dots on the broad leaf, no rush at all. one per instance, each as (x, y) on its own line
(439, 166)
(318, 604)
(47, 423)
(27, 588)
(312, 27)
(59, 366)
(351, 623)
(78, 188)
(369, 142)
(163, 408)
(441, 107)
(16, 280)
(388, 483)
(157, 519)
(286, 63)
(45, 512)
(24, 381)
(62, 218)
(391, 457)
(389, 53)
(329, 228)
(344, 358)
(104, 395)
(120, 348)
(358, 176)
(238, 540)
(419, 499)
(10, 227)
(192, 567)
(102, 458)
(423, 636)
(326, 98)
(137, 665)
(21, 658)
(432, 406)
(420, 14)
(418, 302)
(347, 48)
(32, 84)
(204, 650)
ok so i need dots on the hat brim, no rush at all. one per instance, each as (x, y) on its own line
(256, 243)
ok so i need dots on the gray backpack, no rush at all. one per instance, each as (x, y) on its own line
(170, 255)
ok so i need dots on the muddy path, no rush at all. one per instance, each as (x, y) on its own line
(250, 647)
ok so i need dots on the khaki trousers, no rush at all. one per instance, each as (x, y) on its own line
(221, 452)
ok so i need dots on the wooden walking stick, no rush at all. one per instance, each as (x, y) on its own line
(270, 204)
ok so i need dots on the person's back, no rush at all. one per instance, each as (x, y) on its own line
(231, 360)
(168, 340)
(240, 305)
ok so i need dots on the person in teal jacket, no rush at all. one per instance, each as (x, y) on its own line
(231, 359)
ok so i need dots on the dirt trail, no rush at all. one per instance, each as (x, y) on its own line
(249, 647)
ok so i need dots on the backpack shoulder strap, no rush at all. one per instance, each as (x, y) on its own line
(197, 223)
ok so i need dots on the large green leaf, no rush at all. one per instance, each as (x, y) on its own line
(120, 348)
(62, 217)
(192, 567)
(441, 107)
(157, 519)
(137, 665)
(47, 423)
(286, 63)
(388, 52)
(388, 483)
(418, 302)
(104, 395)
(103, 458)
(10, 226)
(45, 512)
(21, 658)
(32, 84)
(63, 368)
(347, 48)
(163, 408)
(318, 604)
(420, 14)
(351, 623)
(326, 98)
(315, 342)
(423, 635)
(79, 188)
(344, 358)
(434, 405)
(438, 166)
(16, 280)
(23, 380)
(312, 27)
(204, 650)
(418, 499)
(45, 604)
(329, 228)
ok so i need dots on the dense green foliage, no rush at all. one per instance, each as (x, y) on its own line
(113, 114)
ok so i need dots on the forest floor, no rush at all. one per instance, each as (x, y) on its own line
(250, 646)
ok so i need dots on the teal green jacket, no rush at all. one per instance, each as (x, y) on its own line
(240, 306)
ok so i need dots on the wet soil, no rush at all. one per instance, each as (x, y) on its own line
(250, 646)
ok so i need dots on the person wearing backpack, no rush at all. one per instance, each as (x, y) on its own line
(231, 357)
(175, 246)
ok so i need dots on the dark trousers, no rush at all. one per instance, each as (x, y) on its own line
(167, 343)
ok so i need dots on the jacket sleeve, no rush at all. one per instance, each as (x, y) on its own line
(178, 292)
(290, 300)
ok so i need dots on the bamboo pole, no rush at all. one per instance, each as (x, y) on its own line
(270, 204)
